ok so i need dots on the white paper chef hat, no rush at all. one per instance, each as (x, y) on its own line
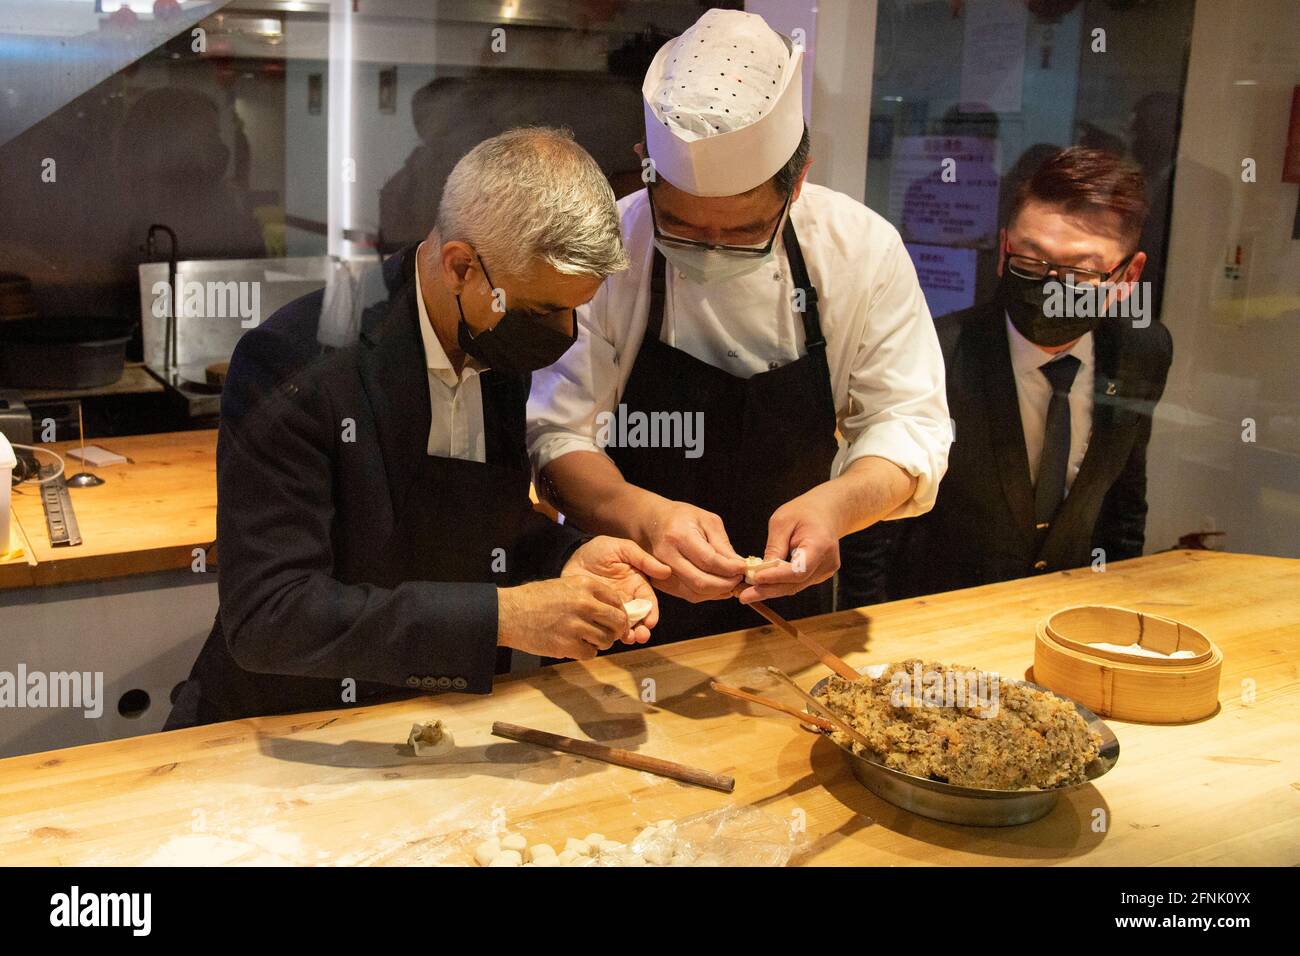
(724, 104)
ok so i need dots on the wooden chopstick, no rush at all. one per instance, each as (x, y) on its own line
(801, 715)
(620, 758)
(826, 657)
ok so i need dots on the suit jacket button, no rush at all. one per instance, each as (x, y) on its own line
(412, 681)
(459, 683)
(444, 683)
(429, 682)
(1040, 565)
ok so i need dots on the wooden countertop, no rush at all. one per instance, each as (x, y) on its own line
(148, 515)
(333, 788)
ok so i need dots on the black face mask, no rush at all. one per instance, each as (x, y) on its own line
(517, 345)
(1024, 299)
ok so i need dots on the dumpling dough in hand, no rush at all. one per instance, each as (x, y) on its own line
(636, 609)
(431, 740)
(753, 565)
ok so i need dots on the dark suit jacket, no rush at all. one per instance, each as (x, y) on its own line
(302, 513)
(981, 528)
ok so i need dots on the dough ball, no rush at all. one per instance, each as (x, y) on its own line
(567, 857)
(508, 858)
(580, 847)
(636, 859)
(487, 851)
(637, 609)
(540, 850)
(551, 860)
(594, 839)
(658, 855)
(514, 841)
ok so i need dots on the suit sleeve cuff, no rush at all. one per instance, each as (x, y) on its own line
(459, 652)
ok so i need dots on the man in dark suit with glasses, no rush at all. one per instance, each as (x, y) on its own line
(1051, 386)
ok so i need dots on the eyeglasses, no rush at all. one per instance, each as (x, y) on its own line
(1072, 277)
(757, 250)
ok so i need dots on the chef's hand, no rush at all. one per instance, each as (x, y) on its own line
(802, 533)
(623, 566)
(573, 616)
(694, 544)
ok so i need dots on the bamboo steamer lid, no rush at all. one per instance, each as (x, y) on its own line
(1164, 690)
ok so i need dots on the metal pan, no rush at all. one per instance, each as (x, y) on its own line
(973, 806)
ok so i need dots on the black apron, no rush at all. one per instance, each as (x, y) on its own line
(457, 516)
(767, 439)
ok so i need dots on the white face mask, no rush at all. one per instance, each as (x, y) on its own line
(712, 265)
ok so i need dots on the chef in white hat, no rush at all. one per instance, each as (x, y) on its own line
(697, 413)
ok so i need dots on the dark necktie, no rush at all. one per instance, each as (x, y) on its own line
(1055, 459)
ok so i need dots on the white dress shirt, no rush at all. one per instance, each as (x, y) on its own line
(886, 366)
(1035, 392)
(455, 402)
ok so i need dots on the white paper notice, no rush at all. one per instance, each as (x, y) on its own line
(944, 189)
(993, 55)
(947, 277)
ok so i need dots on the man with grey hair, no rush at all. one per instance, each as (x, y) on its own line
(375, 528)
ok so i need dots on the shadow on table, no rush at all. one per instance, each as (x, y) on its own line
(507, 759)
(1064, 833)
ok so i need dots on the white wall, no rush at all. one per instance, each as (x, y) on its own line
(841, 45)
(1236, 343)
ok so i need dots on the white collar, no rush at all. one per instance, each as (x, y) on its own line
(1027, 357)
(435, 356)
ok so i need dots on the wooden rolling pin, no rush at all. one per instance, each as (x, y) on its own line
(620, 758)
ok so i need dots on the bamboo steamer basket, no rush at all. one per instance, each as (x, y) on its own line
(1164, 690)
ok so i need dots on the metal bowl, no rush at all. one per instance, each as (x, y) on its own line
(973, 806)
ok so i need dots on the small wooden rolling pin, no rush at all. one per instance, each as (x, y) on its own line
(620, 758)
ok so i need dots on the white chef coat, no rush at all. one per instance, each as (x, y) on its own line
(455, 402)
(886, 366)
(1035, 392)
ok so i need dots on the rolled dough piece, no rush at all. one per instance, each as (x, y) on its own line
(610, 846)
(753, 565)
(541, 849)
(487, 851)
(658, 855)
(594, 840)
(580, 847)
(551, 860)
(637, 609)
(507, 858)
(514, 841)
(431, 739)
(567, 857)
